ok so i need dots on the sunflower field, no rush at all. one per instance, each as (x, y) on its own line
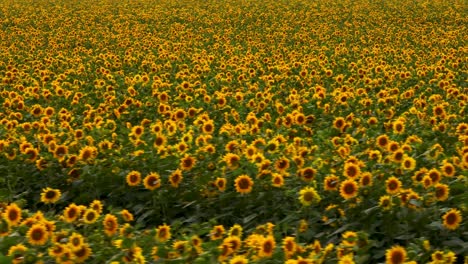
(233, 131)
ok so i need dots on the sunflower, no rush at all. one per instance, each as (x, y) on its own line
(217, 232)
(351, 170)
(110, 224)
(397, 156)
(366, 179)
(87, 153)
(90, 216)
(31, 153)
(82, 253)
(447, 169)
(224, 252)
(348, 189)
(60, 152)
(441, 191)
(71, 213)
(307, 174)
(137, 131)
(208, 127)
(267, 247)
(126, 215)
(308, 195)
(75, 241)
(238, 260)
(37, 235)
(56, 250)
(408, 163)
(435, 175)
(159, 140)
(289, 246)
(452, 219)
(349, 238)
(234, 242)
(382, 141)
(152, 181)
(331, 183)
(176, 178)
(17, 253)
(339, 123)
(277, 180)
(12, 214)
(49, 195)
(398, 127)
(187, 163)
(221, 184)
(243, 184)
(232, 160)
(133, 178)
(395, 255)
(235, 230)
(163, 233)
(282, 164)
(393, 185)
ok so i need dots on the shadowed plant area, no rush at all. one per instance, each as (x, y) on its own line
(295, 132)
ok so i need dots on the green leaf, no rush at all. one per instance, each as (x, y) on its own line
(5, 259)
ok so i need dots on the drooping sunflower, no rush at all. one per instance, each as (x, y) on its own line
(152, 181)
(12, 214)
(163, 233)
(308, 195)
(133, 178)
(243, 184)
(395, 255)
(349, 189)
(452, 219)
(37, 234)
(393, 185)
